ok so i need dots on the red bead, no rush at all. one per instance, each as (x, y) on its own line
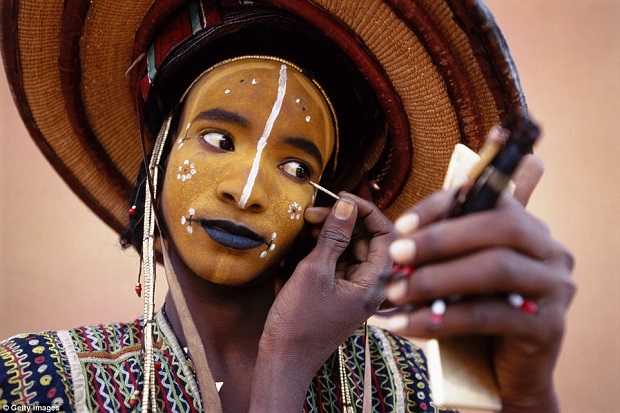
(138, 289)
(529, 307)
(133, 401)
(407, 270)
(402, 270)
(436, 319)
(132, 210)
(158, 365)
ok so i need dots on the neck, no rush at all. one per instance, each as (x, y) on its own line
(226, 318)
(228, 323)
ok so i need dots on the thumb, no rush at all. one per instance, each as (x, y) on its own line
(336, 233)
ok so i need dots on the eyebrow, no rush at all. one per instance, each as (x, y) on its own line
(306, 145)
(223, 115)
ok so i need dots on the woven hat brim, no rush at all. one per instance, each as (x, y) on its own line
(447, 64)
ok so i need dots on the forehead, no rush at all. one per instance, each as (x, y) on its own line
(250, 87)
(256, 74)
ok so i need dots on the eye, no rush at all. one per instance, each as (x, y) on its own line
(296, 169)
(218, 140)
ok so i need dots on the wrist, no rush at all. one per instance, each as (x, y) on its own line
(280, 382)
(543, 403)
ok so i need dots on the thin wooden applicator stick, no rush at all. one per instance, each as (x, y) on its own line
(320, 188)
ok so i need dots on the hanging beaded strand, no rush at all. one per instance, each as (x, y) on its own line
(131, 212)
(344, 384)
(148, 270)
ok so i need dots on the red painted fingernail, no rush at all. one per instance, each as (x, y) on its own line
(529, 307)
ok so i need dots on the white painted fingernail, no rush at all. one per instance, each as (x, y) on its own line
(406, 224)
(396, 290)
(397, 322)
(402, 251)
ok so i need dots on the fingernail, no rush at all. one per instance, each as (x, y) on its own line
(344, 209)
(397, 322)
(402, 251)
(396, 290)
(406, 224)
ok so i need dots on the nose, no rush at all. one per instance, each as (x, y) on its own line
(241, 187)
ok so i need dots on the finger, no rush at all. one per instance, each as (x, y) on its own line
(436, 206)
(316, 215)
(527, 176)
(508, 225)
(431, 209)
(376, 232)
(484, 273)
(335, 235)
(482, 317)
(375, 223)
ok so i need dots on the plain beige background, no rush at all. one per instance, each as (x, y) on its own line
(61, 267)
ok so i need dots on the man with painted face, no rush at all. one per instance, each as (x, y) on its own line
(254, 132)
(233, 202)
(240, 108)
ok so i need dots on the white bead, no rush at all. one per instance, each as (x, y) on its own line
(438, 307)
(515, 300)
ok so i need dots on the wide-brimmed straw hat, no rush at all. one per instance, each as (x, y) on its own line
(439, 69)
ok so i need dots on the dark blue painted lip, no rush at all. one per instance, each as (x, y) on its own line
(232, 235)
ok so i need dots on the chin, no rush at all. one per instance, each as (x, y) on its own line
(236, 276)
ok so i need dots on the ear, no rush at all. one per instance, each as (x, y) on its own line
(527, 176)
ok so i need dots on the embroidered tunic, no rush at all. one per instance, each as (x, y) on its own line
(98, 368)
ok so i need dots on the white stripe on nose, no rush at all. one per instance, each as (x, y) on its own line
(262, 142)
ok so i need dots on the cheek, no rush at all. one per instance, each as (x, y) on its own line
(186, 180)
(288, 215)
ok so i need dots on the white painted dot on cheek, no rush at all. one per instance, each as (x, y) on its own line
(295, 210)
(254, 81)
(297, 100)
(227, 91)
(186, 171)
(307, 118)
